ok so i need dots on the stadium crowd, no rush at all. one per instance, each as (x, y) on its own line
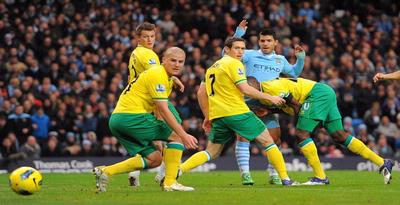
(64, 63)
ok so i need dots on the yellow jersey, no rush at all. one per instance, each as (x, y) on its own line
(141, 59)
(299, 88)
(139, 95)
(224, 98)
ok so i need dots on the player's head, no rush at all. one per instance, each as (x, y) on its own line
(267, 41)
(146, 34)
(173, 60)
(252, 81)
(234, 47)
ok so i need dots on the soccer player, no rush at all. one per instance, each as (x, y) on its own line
(389, 76)
(143, 58)
(226, 113)
(136, 128)
(264, 64)
(315, 103)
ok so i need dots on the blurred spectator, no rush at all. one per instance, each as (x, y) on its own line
(41, 125)
(109, 147)
(52, 148)
(31, 148)
(384, 149)
(390, 130)
(3, 125)
(71, 147)
(363, 135)
(285, 149)
(333, 152)
(20, 123)
(8, 151)
(348, 125)
(372, 116)
(87, 149)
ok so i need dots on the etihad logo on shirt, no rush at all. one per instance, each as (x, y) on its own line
(240, 71)
(160, 88)
(152, 61)
(266, 68)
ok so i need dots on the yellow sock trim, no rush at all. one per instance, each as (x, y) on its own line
(195, 160)
(358, 147)
(131, 164)
(172, 160)
(310, 152)
(275, 158)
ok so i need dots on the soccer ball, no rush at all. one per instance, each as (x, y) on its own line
(25, 180)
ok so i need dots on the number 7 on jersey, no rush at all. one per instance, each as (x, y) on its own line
(212, 77)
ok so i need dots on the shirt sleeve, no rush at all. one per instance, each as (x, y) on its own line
(149, 60)
(246, 56)
(293, 70)
(158, 87)
(237, 72)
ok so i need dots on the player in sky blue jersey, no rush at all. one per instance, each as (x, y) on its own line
(264, 64)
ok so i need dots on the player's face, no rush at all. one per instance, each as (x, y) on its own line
(173, 63)
(237, 50)
(267, 43)
(147, 38)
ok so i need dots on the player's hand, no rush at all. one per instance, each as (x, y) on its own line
(276, 100)
(299, 51)
(207, 125)
(243, 24)
(378, 77)
(189, 142)
(179, 84)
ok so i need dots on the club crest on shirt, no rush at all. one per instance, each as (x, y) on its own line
(240, 71)
(277, 61)
(152, 61)
(160, 88)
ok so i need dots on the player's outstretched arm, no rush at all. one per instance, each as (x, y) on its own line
(389, 76)
(241, 29)
(296, 69)
(247, 90)
(189, 141)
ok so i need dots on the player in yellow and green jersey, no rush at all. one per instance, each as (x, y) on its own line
(318, 107)
(143, 58)
(226, 113)
(135, 127)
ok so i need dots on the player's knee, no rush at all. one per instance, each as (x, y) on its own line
(339, 136)
(301, 135)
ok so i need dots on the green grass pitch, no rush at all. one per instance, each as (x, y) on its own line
(347, 187)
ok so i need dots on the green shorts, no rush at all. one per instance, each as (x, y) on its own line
(174, 112)
(247, 125)
(319, 107)
(136, 132)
